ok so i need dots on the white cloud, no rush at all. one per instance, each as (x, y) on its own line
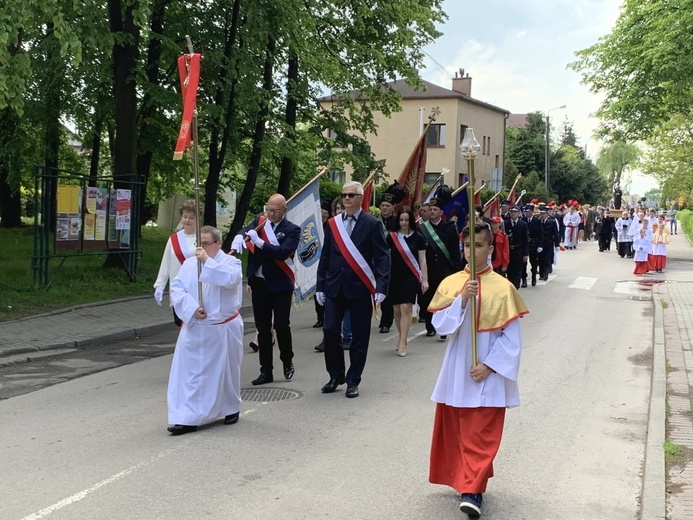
(517, 53)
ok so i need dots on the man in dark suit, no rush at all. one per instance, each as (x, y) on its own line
(271, 281)
(389, 223)
(516, 229)
(551, 241)
(353, 273)
(443, 256)
(535, 235)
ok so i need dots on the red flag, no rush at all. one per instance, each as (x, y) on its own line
(189, 73)
(493, 208)
(477, 198)
(511, 196)
(412, 176)
(367, 198)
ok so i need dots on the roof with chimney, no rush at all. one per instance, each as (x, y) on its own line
(430, 91)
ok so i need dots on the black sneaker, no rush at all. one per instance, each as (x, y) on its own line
(471, 504)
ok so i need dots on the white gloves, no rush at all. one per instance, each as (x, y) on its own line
(254, 238)
(238, 243)
(379, 297)
(540, 249)
(320, 298)
(159, 295)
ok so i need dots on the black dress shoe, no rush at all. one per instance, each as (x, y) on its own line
(332, 385)
(430, 333)
(262, 379)
(317, 324)
(443, 337)
(534, 281)
(524, 283)
(321, 347)
(352, 391)
(288, 371)
(254, 346)
(180, 429)
(231, 419)
(422, 320)
(384, 330)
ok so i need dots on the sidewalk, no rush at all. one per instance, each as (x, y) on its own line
(39, 336)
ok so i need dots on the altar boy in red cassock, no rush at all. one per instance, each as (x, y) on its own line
(471, 401)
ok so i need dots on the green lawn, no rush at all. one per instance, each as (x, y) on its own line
(79, 280)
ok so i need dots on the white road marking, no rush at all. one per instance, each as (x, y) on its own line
(542, 282)
(583, 282)
(113, 478)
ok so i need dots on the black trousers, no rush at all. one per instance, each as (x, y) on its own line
(387, 313)
(604, 242)
(425, 301)
(516, 268)
(319, 310)
(545, 261)
(361, 313)
(534, 262)
(269, 307)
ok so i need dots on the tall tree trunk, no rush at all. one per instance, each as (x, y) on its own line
(287, 169)
(221, 130)
(122, 25)
(127, 35)
(10, 201)
(95, 148)
(256, 152)
(147, 133)
(52, 89)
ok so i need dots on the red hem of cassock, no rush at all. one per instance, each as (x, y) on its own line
(641, 268)
(465, 442)
(659, 261)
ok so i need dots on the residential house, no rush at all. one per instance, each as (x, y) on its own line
(398, 134)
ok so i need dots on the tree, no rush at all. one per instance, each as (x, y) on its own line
(643, 68)
(615, 159)
(526, 147)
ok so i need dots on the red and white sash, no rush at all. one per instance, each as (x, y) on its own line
(266, 233)
(352, 255)
(180, 247)
(406, 254)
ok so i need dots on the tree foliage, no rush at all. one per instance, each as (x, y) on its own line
(615, 159)
(643, 68)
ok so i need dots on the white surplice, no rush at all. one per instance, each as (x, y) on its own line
(498, 349)
(205, 380)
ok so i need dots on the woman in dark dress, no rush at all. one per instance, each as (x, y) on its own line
(408, 272)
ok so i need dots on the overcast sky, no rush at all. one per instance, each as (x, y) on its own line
(517, 52)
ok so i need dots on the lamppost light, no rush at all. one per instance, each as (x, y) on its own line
(470, 146)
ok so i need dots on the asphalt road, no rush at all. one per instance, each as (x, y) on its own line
(96, 446)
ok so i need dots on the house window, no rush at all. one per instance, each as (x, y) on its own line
(488, 145)
(483, 146)
(337, 176)
(331, 134)
(430, 178)
(463, 129)
(497, 161)
(435, 136)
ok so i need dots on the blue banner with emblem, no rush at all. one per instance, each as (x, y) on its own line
(304, 211)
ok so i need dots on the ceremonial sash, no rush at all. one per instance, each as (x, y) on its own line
(266, 233)
(178, 243)
(434, 239)
(189, 73)
(352, 255)
(230, 318)
(572, 232)
(406, 254)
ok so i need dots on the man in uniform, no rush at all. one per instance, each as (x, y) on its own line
(535, 234)
(504, 210)
(551, 240)
(516, 229)
(442, 254)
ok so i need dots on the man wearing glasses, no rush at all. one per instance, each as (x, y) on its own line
(353, 274)
(205, 380)
(271, 241)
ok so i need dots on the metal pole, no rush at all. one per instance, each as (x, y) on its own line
(546, 157)
(198, 242)
(472, 247)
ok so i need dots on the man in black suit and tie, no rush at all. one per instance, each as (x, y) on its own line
(271, 281)
(354, 272)
(535, 234)
(516, 230)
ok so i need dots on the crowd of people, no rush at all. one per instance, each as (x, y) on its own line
(410, 264)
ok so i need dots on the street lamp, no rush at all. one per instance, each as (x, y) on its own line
(469, 148)
(547, 151)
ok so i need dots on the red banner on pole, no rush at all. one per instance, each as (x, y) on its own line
(412, 176)
(189, 73)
